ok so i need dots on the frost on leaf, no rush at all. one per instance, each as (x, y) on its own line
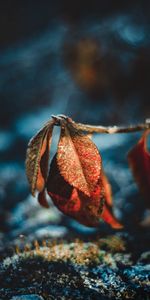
(37, 158)
(78, 160)
(139, 161)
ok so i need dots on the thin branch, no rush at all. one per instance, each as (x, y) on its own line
(103, 129)
(111, 129)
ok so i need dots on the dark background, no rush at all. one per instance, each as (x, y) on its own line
(89, 60)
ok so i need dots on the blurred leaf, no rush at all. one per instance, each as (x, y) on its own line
(139, 161)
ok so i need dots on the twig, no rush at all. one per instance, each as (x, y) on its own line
(111, 129)
(102, 129)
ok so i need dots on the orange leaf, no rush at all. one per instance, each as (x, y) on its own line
(78, 160)
(107, 214)
(107, 187)
(108, 217)
(139, 161)
(42, 199)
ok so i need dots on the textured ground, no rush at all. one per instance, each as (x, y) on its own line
(64, 260)
(76, 270)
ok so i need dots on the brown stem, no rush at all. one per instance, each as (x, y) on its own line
(103, 129)
(111, 129)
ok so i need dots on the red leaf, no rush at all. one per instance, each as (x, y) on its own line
(108, 217)
(78, 160)
(139, 161)
(72, 202)
(85, 209)
(107, 214)
(42, 199)
(107, 187)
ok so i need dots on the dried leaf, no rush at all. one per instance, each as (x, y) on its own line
(87, 210)
(78, 160)
(107, 187)
(70, 201)
(139, 161)
(108, 216)
(37, 158)
(42, 199)
(76, 183)
(107, 213)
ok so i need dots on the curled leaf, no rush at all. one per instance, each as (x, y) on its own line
(76, 183)
(107, 213)
(107, 187)
(78, 160)
(87, 210)
(37, 158)
(139, 161)
(108, 216)
(42, 199)
(72, 202)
